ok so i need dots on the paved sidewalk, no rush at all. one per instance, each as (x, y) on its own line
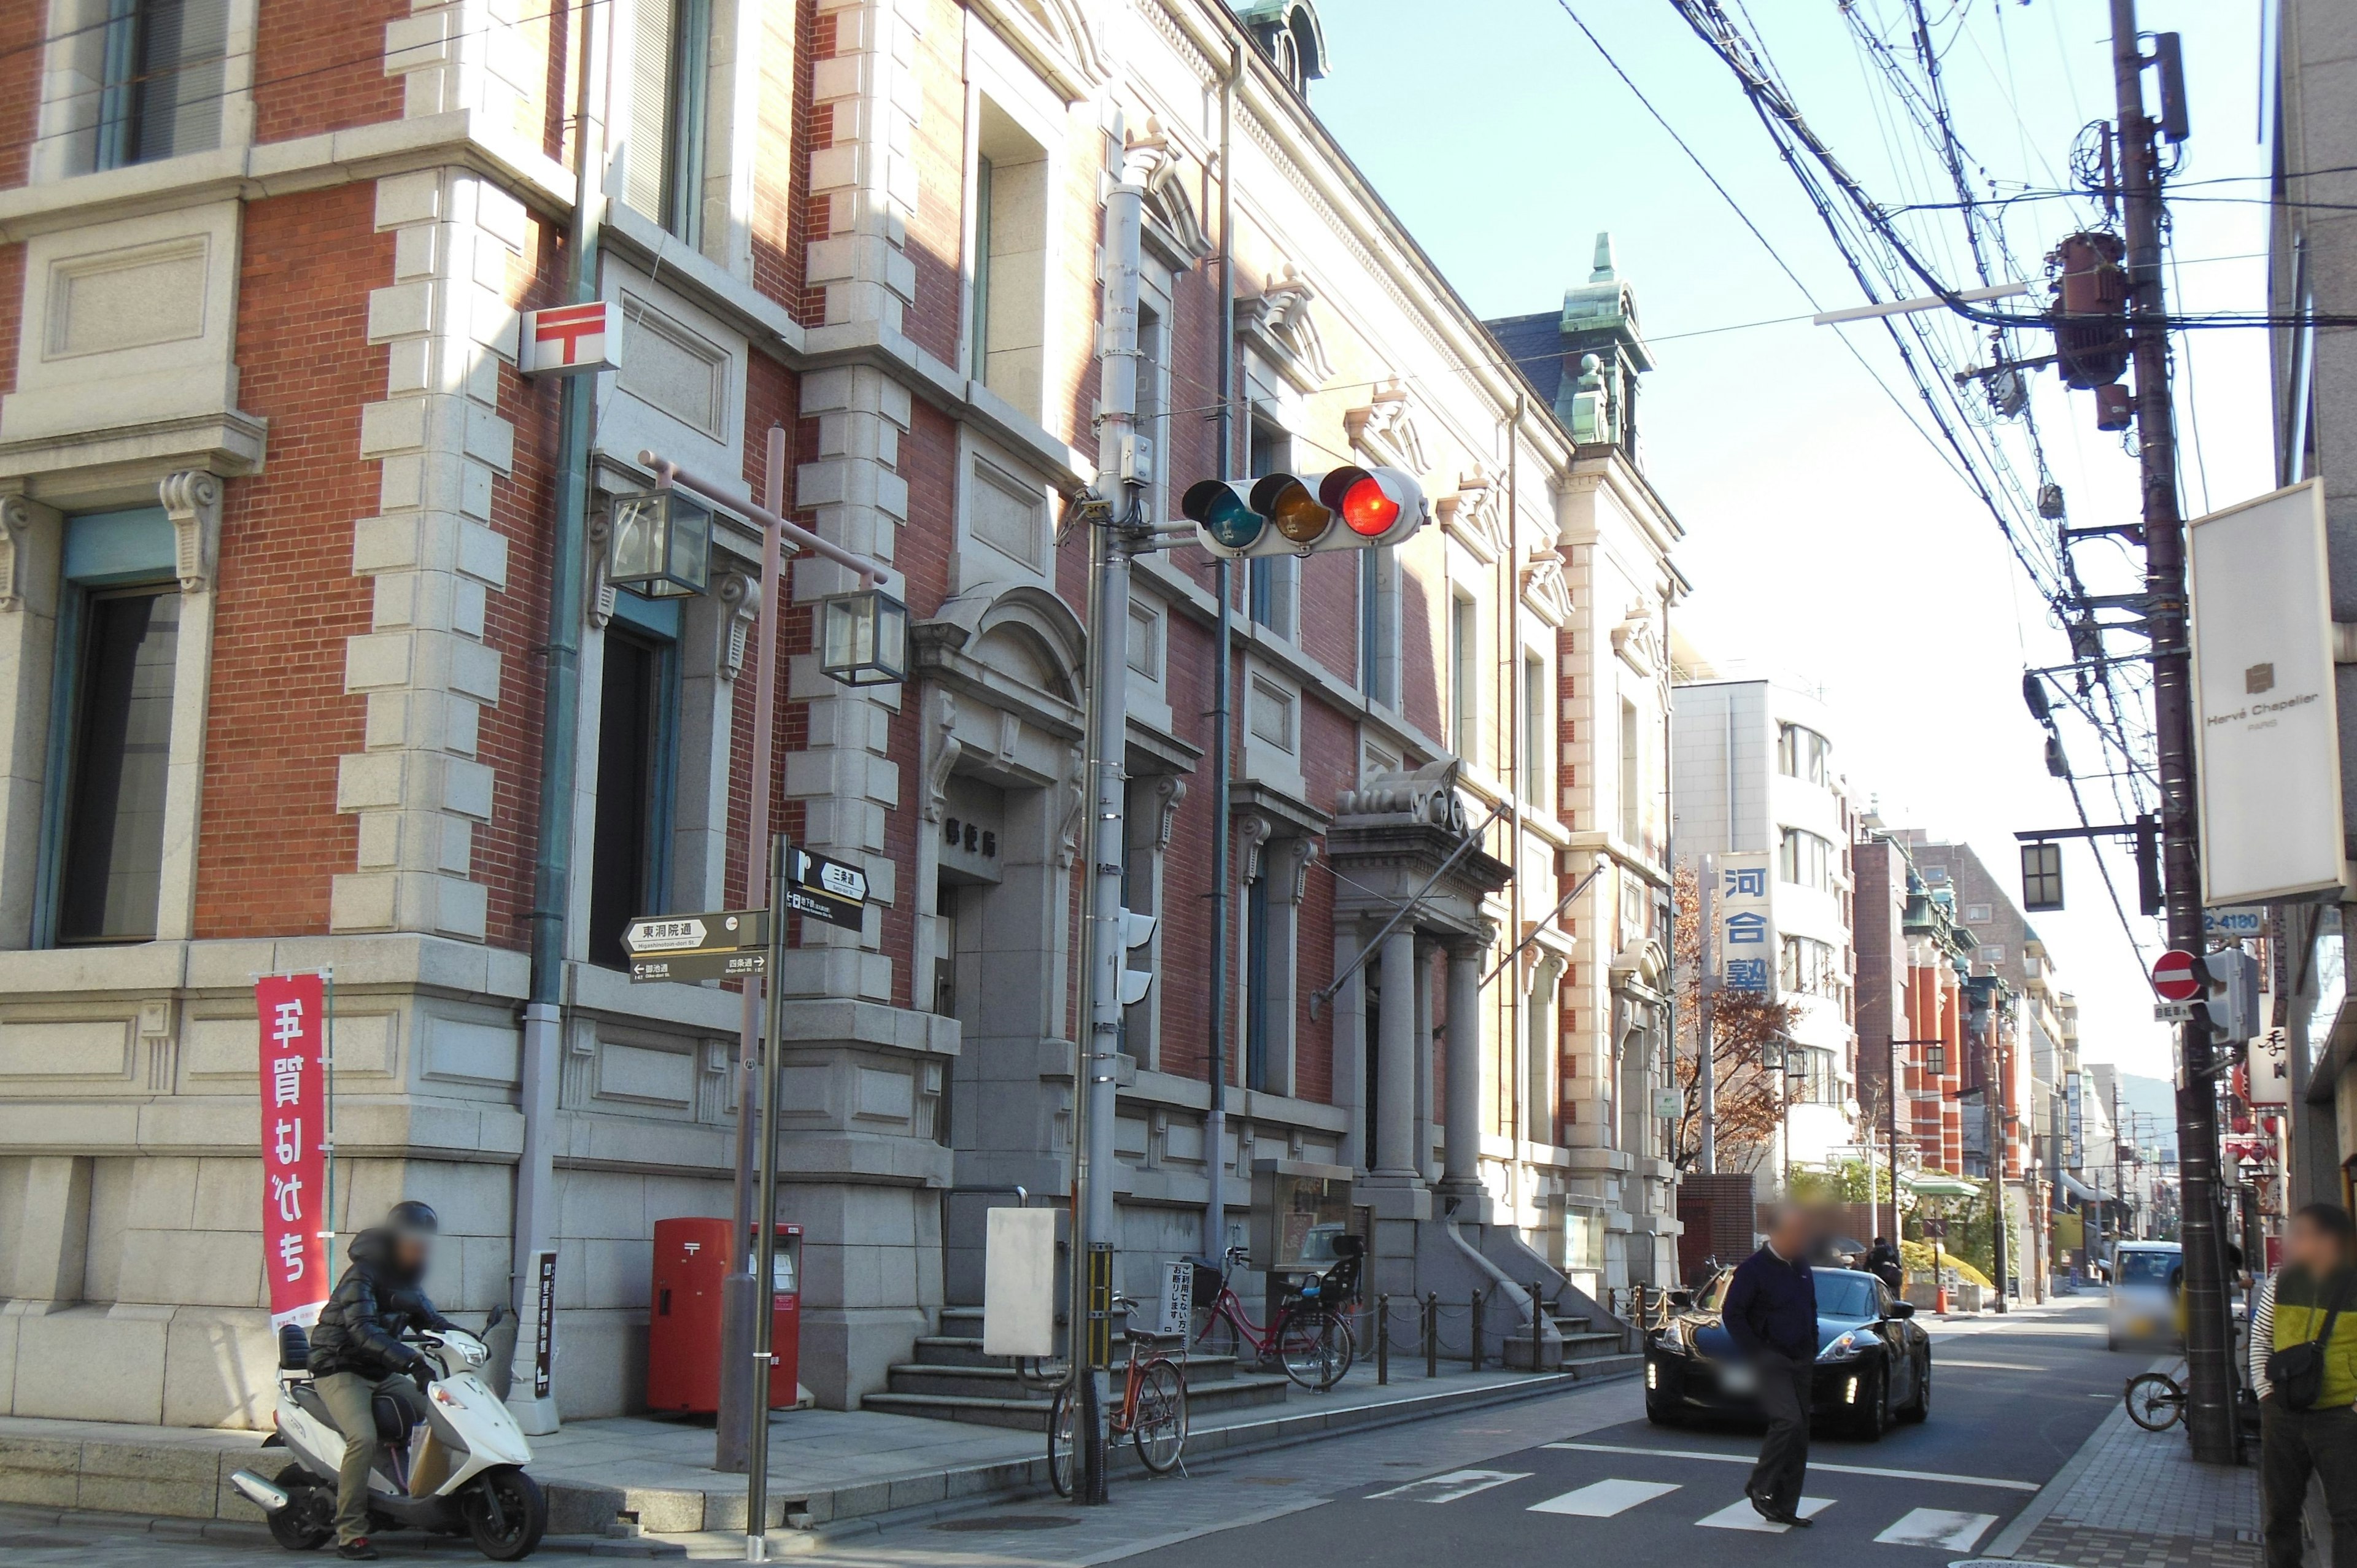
(2133, 1498)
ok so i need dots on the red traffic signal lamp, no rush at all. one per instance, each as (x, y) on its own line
(1349, 508)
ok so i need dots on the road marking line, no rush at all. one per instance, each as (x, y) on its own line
(1743, 1516)
(1447, 1488)
(1990, 1366)
(1938, 1527)
(1604, 1498)
(1747, 1459)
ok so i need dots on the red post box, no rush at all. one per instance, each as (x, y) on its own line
(683, 1323)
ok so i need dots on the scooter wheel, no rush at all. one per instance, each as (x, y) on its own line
(511, 1531)
(308, 1520)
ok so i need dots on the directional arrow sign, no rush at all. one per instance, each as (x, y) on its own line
(824, 889)
(695, 966)
(677, 933)
(2172, 976)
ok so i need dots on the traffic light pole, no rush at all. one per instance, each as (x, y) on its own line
(2209, 1412)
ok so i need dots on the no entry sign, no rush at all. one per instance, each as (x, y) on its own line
(2172, 976)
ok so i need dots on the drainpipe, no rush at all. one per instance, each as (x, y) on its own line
(1215, 1068)
(535, 1190)
(1519, 1178)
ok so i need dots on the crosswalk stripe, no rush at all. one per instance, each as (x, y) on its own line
(1747, 1459)
(1447, 1488)
(1938, 1527)
(1743, 1516)
(1603, 1499)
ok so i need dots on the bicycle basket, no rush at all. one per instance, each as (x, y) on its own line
(1208, 1283)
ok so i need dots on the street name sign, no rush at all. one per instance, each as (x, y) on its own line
(716, 946)
(2172, 976)
(824, 889)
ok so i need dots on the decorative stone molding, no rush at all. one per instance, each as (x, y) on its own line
(1253, 835)
(1546, 590)
(17, 518)
(1637, 643)
(1476, 515)
(192, 500)
(1385, 428)
(1288, 867)
(1168, 790)
(740, 599)
(942, 746)
(1173, 228)
(1278, 322)
(1076, 783)
(159, 1034)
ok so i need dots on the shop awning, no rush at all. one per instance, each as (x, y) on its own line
(1940, 1184)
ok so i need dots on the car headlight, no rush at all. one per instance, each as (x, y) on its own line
(1847, 1346)
(1673, 1338)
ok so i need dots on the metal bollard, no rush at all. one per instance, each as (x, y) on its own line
(1383, 1339)
(1476, 1351)
(1431, 1335)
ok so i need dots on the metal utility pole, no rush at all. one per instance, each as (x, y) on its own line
(1116, 532)
(765, 1250)
(1215, 1059)
(1706, 1069)
(1993, 1134)
(2209, 1413)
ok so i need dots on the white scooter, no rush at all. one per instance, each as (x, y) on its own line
(460, 1472)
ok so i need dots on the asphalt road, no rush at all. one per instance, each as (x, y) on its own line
(1581, 1473)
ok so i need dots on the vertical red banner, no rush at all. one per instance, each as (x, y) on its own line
(294, 1159)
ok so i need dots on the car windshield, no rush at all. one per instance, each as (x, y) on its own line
(2147, 1268)
(1844, 1296)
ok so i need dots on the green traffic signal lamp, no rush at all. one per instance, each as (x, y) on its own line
(1222, 511)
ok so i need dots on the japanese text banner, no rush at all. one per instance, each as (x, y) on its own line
(294, 1163)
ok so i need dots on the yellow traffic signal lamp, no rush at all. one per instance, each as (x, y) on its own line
(1350, 508)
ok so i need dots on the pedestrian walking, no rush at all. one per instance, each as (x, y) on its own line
(1770, 1313)
(2304, 1367)
(1882, 1262)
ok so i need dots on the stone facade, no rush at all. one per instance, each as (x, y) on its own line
(263, 373)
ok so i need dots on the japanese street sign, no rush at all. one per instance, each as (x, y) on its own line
(294, 1219)
(2270, 1064)
(2172, 1011)
(571, 339)
(729, 930)
(825, 889)
(696, 966)
(1936, 1229)
(544, 1332)
(2172, 976)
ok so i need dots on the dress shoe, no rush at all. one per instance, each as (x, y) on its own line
(356, 1550)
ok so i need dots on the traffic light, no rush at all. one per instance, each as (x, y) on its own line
(1349, 508)
(2232, 995)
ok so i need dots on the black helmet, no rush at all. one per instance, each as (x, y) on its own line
(411, 1217)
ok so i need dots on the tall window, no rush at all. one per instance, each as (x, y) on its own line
(110, 860)
(1804, 858)
(1007, 330)
(1801, 753)
(1536, 747)
(637, 729)
(1808, 967)
(1256, 983)
(161, 83)
(1632, 774)
(672, 71)
(1269, 580)
(1464, 678)
(1152, 427)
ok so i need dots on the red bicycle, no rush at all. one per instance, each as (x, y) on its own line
(1310, 1337)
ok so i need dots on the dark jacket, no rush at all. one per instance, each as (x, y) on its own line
(1773, 1306)
(373, 1305)
(1883, 1263)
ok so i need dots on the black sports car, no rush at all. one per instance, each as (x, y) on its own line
(1874, 1364)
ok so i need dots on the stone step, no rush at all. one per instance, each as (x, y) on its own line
(1580, 1346)
(1030, 1415)
(1003, 1382)
(958, 1350)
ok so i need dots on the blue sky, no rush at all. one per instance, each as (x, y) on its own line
(1825, 537)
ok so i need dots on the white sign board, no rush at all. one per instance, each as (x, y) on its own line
(2270, 1065)
(2239, 922)
(571, 339)
(2266, 726)
(1177, 1299)
(1019, 1282)
(1744, 931)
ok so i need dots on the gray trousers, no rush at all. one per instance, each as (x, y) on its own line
(1785, 1389)
(350, 1398)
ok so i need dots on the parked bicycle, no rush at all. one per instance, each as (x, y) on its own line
(1152, 1410)
(1310, 1335)
(2156, 1401)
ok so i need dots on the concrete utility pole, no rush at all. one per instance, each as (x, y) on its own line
(1706, 987)
(2209, 1412)
(1993, 1134)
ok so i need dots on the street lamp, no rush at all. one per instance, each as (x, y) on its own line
(864, 638)
(659, 543)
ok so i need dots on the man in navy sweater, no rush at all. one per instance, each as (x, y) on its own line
(1770, 1313)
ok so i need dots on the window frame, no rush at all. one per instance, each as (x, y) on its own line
(640, 627)
(686, 120)
(1465, 676)
(1787, 864)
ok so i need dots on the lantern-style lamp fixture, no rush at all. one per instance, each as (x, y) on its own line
(864, 638)
(658, 544)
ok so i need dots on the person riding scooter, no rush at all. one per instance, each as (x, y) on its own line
(357, 1353)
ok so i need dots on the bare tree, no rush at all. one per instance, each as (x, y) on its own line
(1748, 1030)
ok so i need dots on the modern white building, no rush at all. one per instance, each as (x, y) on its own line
(1752, 771)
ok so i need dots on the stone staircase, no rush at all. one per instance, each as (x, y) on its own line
(952, 1380)
(1582, 1340)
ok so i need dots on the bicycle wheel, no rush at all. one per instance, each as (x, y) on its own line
(1160, 1431)
(1063, 1431)
(1212, 1332)
(2155, 1402)
(1315, 1346)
